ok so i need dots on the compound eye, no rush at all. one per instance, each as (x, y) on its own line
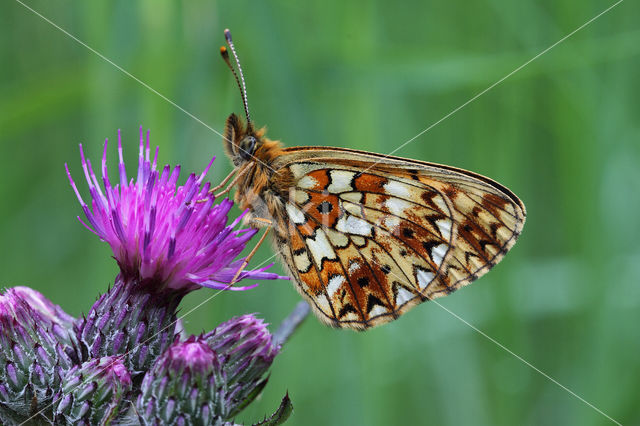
(246, 148)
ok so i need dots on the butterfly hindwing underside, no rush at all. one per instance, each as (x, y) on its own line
(367, 237)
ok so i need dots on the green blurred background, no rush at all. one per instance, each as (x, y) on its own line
(563, 133)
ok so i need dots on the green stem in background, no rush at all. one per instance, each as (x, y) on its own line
(291, 323)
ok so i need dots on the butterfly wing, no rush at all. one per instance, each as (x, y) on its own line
(367, 237)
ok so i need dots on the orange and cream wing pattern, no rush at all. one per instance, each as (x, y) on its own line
(368, 237)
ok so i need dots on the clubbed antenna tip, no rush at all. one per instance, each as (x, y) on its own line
(238, 76)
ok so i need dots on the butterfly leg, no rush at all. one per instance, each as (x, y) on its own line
(253, 251)
(259, 222)
(224, 181)
(232, 184)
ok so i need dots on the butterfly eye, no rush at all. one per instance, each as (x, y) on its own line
(246, 147)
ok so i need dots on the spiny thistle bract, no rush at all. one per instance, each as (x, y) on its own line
(120, 363)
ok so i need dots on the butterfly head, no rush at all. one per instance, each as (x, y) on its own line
(241, 141)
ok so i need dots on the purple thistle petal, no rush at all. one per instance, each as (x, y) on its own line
(147, 147)
(206, 170)
(225, 286)
(121, 168)
(87, 226)
(155, 156)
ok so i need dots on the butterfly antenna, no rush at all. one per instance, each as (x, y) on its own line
(239, 79)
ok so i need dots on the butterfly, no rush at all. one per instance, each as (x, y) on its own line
(364, 236)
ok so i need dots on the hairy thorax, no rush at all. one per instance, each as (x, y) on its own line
(263, 187)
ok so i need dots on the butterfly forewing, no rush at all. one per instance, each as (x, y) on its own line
(368, 237)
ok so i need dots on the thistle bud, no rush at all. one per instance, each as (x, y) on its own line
(37, 344)
(245, 347)
(94, 392)
(185, 386)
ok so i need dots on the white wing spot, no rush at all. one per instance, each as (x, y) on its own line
(378, 310)
(397, 189)
(353, 225)
(302, 261)
(338, 239)
(340, 181)
(396, 206)
(354, 197)
(354, 209)
(438, 253)
(353, 267)
(424, 278)
(510, 208)
(359, 241)
(444, 225)
(503, 233)
(392, 224)
(350, 316)
(307, 182)
(475, 263)
(403, 296)
(298, 170)
(300, 197)
(323, 303)
(334, 284)
(439, 201)
(320, 247)
(295, 214)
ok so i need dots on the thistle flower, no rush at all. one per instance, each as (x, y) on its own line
(167, 235)
(94, 392)
(167, 240)
(37, 344)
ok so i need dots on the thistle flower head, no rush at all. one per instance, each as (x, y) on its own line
(161, 232)
(37, 343)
